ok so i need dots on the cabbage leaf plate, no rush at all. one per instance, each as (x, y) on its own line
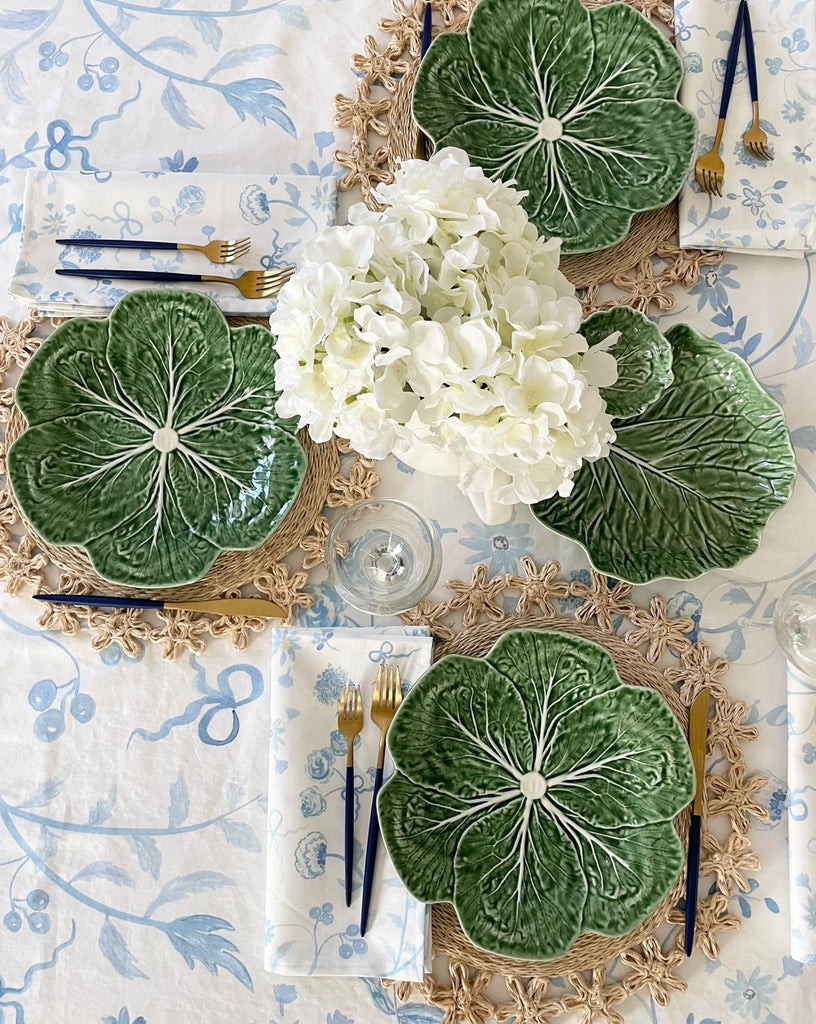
(152, 439)
(535, 792)
(579, 107)
(691, 480)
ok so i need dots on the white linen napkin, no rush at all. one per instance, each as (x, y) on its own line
(309, 929)
(279, 213)
(802, 814)
(766, 206)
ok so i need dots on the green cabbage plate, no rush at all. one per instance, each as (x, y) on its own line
(535, 792)
(152, 439)
(579, 107)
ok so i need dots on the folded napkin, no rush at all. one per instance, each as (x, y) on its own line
(802, 814)
(279, 213)
(766, 206)
(309, 929)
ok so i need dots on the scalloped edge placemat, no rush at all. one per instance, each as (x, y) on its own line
(650, 649)
(642, 268)
(332, 481)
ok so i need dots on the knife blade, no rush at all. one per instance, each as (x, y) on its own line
(249, 606)
(698, 738)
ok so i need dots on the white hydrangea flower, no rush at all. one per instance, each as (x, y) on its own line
(444, 323)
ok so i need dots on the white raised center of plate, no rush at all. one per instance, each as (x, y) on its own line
(533, 785)
(550, 129)
(166, 439)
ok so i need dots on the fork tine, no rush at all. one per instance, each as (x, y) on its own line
(397, 687)
(378, 687)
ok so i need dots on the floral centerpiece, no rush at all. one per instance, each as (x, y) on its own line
(441, 327)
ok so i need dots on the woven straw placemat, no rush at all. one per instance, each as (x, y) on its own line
(335, 478)
(641, 270)
(649, 648)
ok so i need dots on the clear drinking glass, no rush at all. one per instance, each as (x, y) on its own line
(795, 623)
(383, 556)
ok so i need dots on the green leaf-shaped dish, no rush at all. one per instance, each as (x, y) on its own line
(153, 441)
(535, 791)
(689, 483)
(643, 355)
(578, 106)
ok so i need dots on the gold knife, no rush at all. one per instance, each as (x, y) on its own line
(256, 607)
(698, 738)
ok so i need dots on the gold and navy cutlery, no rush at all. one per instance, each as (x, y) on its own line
(350, 722)
(216, 251)
(253, 284)
(257, 607)
(387, 698)
(698, 737)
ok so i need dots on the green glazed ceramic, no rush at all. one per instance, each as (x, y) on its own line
(643, 355)
(690, 483)
(535, 791)
(153, 441)
(579, 107)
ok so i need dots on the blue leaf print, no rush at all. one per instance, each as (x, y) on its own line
(105, 869)
(736, 645)
(737, 595)
(176, 106)
(380, 997)
(803, 880)
(252, 96)
(196, 939)
(293, 14)
(103, 808)
(238, 833)
(420, 1013)
(12, 80)
(279, 954)
(46, 791)
(186, 885)
(24, 19)
(179, 801)
(170, 43)
(208, 28)
(147, 852)
(804, 437)
(744, 906)
(235, 58)
(772, 905)
(115, 948)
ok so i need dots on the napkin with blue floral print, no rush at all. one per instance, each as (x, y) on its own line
(769, 206)
(802, 814)
(309, 929)
(279, 213)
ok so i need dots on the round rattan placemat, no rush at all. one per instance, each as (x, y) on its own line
(641, 270)
(335, 478)
(649, 648)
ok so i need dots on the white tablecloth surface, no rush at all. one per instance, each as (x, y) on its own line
(147, 818)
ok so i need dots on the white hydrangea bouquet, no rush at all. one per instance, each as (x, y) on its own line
(441, 330)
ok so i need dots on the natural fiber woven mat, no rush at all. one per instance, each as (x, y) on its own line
(334, 479)
(649, 649)
(641, 270)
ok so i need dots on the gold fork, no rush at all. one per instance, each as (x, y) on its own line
(709, 170)
(755, 138)
(350, 722)
(387, 698)
(253, 284)
(216, 251)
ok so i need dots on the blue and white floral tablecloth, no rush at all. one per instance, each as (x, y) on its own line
(132, 820)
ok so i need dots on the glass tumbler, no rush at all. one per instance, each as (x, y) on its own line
(383, 556)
